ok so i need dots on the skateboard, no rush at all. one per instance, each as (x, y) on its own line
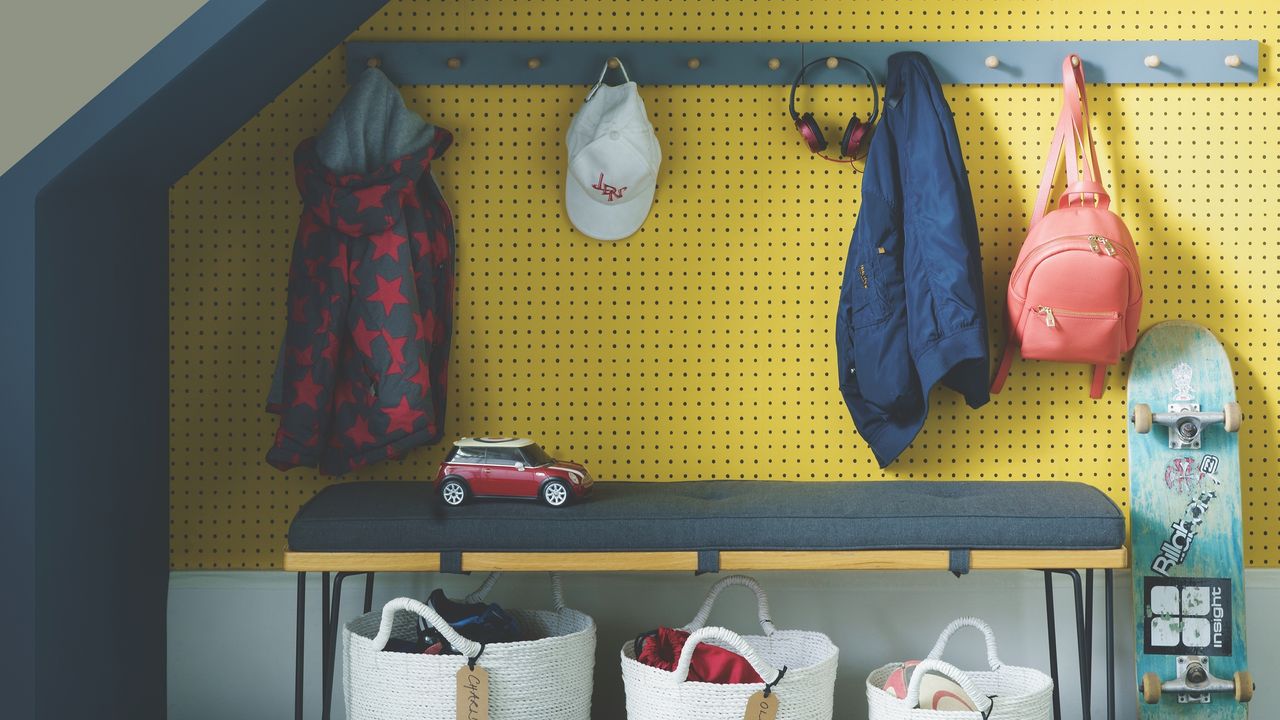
(1187, 542)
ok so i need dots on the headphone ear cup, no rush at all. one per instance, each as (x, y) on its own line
(863, 145)
(854, 141)
(812, 134)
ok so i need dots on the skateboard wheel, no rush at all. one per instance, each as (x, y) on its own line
(1142, 418)
(1151, 688)
(1244, 686)
(1231, 417)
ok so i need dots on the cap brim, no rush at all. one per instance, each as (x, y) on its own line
(606, 222)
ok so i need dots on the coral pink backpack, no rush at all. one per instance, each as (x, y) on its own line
(1076, 291)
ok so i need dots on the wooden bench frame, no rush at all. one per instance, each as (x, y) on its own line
(730, 560)
(341, 565)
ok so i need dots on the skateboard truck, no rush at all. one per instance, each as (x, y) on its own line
(1185, 422)
(1196, 683)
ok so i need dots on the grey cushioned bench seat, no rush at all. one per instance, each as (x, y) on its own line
(718, 515)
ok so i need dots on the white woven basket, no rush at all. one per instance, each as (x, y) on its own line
(1006, 692)
(804, 692)
(548, 678)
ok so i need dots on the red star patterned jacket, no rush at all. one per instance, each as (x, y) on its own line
(362, 371)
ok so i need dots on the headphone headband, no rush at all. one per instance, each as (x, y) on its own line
(871, 80)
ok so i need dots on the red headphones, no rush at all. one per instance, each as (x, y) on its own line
(857, 134)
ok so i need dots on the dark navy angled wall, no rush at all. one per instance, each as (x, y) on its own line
(84, 504)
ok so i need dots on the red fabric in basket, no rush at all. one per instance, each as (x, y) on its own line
(710, 663)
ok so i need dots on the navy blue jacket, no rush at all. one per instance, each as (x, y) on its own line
(911, 309)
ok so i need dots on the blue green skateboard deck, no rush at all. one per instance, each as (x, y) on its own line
(1187, 540)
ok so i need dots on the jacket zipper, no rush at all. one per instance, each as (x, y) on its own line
(1096, 244)
(1049, 315)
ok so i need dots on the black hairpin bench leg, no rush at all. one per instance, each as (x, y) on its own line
(331, 645)
(332, 622)
(1084, 659)
(1084, 639)
(1086, 643)
(1082, 642)
(1110, 624)
(1051, 624)
(324, 641)
(300, 642)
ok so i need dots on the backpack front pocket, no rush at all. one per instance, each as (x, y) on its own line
(1067, 335)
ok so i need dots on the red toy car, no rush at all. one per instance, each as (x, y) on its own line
(508, 468)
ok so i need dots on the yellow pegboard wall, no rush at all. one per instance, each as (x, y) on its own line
(702, 347)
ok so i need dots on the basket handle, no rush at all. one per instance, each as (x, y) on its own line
(734, 641)
(469, 648)
(951, 671)
(480, 593)
(762, 603)
(993, 658)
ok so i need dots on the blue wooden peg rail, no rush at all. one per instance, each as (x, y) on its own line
(764, 63)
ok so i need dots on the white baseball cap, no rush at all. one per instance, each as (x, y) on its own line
(613, 163)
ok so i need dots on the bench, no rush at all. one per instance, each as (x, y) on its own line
(365, 528)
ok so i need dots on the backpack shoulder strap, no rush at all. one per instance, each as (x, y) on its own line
(1073, 126)
(1002, 370)
(1099, 381)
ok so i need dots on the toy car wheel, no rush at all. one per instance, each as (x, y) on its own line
(1142, 418)
(555, 493)
(454, 492)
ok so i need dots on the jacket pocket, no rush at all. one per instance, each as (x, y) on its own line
(884, 369)
(877, 290)
(868, 293)
(1070, 335)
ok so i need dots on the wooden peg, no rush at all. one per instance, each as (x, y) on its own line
(774, 63)
(534, 63)
(454, 63)
(1232, 61)
(1151, 61)
(373, 62)
(1075, 61)
(694, 63)
(613, 63)
(832, 63)
(992, 62)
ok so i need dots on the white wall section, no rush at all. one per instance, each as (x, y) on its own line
(231, 634)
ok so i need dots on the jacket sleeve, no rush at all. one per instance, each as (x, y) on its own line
(317, 310)
(947, 310)
(876, 373)
(435, 252)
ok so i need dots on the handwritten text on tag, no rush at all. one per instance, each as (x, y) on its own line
(760, 707)
(473, 693)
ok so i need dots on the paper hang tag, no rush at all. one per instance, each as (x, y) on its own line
(760, 707)
(473, 693)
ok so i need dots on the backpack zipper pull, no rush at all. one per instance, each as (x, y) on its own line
(1111, 250)
(1047, 314)
(1093, 244)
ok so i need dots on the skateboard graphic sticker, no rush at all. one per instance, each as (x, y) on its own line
(1188, 615)
(1174, 551)
(1185, 522)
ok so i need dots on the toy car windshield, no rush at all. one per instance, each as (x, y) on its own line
(535, 456)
